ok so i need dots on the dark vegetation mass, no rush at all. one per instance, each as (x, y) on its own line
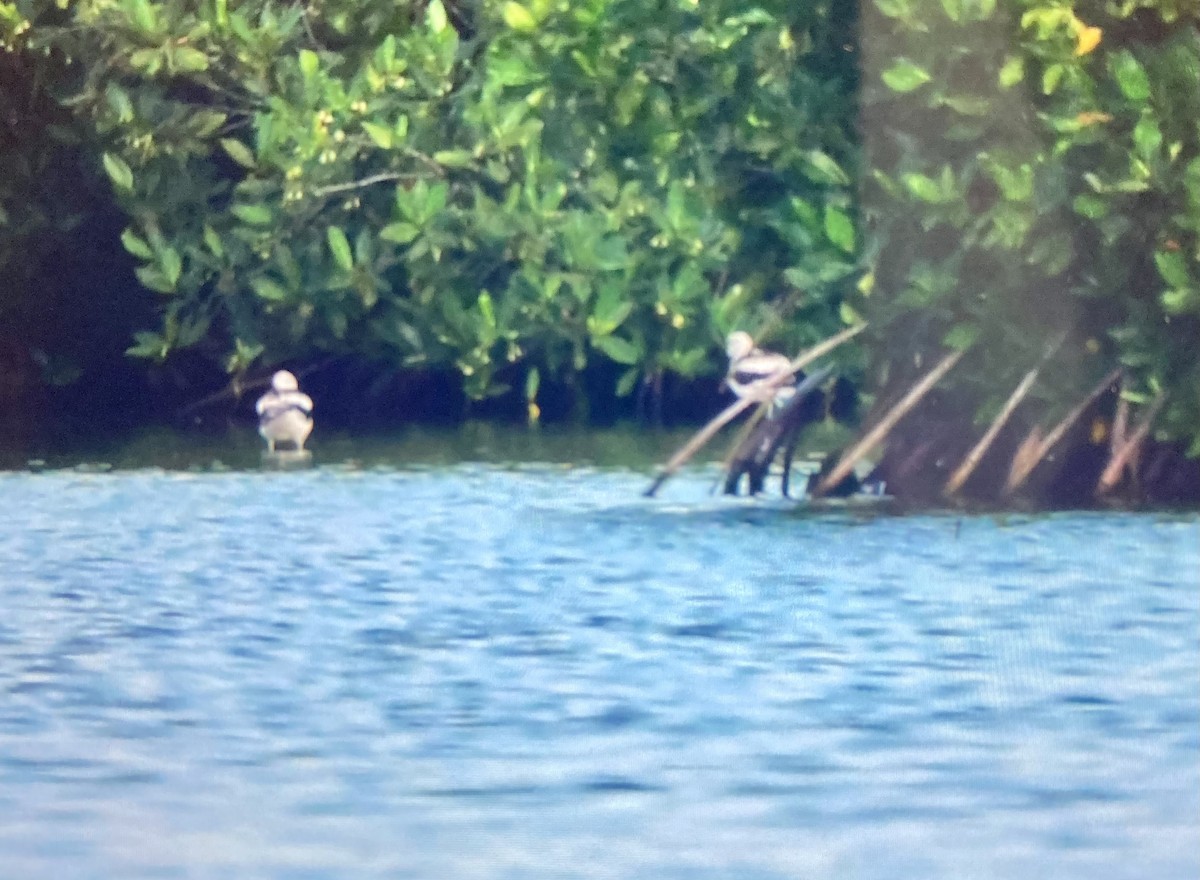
(558, 210)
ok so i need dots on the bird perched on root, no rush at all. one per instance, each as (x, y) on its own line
(751, 370)
(284, 413)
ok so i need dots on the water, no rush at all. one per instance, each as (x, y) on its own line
(481, 670)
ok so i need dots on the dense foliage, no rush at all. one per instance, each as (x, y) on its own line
(526, 189)
(1034, 172)
(507, 188)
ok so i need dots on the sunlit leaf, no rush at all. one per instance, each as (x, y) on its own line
(839, 228)
(1173, 268)
(136, 245)
(153, 278)
(118, 172)
(239, 152)
(1130, 75)
(268, 289)
(518, 17)
(453, 158)
(400, 233)
(961, 337)
(213, 241)
(1012, 72)
(309, 62)
(905, 76)
(380, 134)
(256, 215)
(620, 350)
(188, 60)
(435, 16)
(339, 245)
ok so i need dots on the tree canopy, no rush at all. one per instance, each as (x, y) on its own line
(520, 190)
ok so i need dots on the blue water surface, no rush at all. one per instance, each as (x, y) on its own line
(489, 671)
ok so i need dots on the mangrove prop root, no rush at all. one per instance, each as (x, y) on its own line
(1111, 477)
(731, 412)
(877, 434)
(1026, 461)
(964, 470)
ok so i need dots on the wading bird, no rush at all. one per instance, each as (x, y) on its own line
(751, 368)
(284, 413)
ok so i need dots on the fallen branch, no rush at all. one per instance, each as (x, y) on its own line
(235, 389)
(1025, 465)
(963, 472)
(680, 458)
(731, 412)
(1111, 477)
(877, 434)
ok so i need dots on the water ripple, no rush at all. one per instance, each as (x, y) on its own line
(492, 671)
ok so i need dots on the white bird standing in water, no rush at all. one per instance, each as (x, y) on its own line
(751, 368)
(284, 413)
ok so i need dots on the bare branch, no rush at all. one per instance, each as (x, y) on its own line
(388, 177)
(1023, 466)
(877, 434)
(964, 470)
(1111, 477)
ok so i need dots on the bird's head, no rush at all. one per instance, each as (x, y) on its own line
(284, 381)
(738, 344)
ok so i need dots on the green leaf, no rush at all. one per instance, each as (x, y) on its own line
(118, 100)
(610, 253)
(1173, 268)
(533, 380)
(961, 337)
(1130, 75)
(309, 63)
(256, 215)
(905, 76)
(153, 278)
(821, 168)
(1051, 77)
(214, 242)
(518, 17)
(340, 246)
(620, 350)
(1181, 301)
(148, 60)
(239, 152)
(1147, 137)
(118, 172)
(435, 16)
(136, 246)
(924, 188)
(188, 60)
(628, 382)
(268, 289)
(148, 345)
(400, 233)
(487, 310)
(839, 228)
(380, 134)
(953, 9)
(141, 14)
(1092, 207)
(1012, 72)
(171, 264)
(453, 158)
(894, 8)
(611, 308)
